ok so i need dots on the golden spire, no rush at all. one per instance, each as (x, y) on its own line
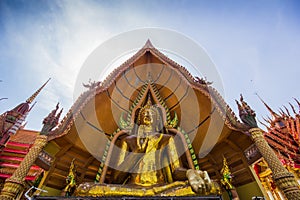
(30, 99)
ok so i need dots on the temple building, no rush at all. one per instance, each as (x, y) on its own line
(150, 129)
(283, 136)
(15, 141)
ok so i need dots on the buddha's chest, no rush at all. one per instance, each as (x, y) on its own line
(152, 143)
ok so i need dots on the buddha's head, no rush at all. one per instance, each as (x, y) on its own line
(148, 115)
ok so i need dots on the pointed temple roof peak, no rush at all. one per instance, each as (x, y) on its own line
(32, 97)
(24, 107)
(148, 45)
(18, 114)
(274, 114)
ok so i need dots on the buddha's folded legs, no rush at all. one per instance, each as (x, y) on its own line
(95, 189)
(177, 188)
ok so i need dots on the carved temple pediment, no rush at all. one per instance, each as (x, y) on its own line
(190, 108)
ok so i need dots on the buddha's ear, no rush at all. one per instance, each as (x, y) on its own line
(159, 125)
(136, 116)
(157, 128)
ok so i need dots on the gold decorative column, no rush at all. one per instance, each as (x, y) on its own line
(285, 180)
(14, 185)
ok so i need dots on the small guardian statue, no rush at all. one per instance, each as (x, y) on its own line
(71, 180)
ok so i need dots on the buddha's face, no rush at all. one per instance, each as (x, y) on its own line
(147, 117)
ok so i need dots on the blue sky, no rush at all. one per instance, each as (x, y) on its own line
(255, 45)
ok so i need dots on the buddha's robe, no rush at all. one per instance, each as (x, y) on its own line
(148, 173)
(158, 161)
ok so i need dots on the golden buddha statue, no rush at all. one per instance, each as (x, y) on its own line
(149, 165)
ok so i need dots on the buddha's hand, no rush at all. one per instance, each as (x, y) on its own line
(199, 181)
(142, 146)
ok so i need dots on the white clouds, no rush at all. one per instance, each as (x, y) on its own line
(55, 41)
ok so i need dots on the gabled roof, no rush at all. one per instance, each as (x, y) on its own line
(283, 134)
(12, 120)
(201, 110)
(24, 136)
(221, 106)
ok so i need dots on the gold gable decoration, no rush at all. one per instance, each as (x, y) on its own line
(150, 89)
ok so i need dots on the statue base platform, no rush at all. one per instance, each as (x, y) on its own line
(131, 198)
